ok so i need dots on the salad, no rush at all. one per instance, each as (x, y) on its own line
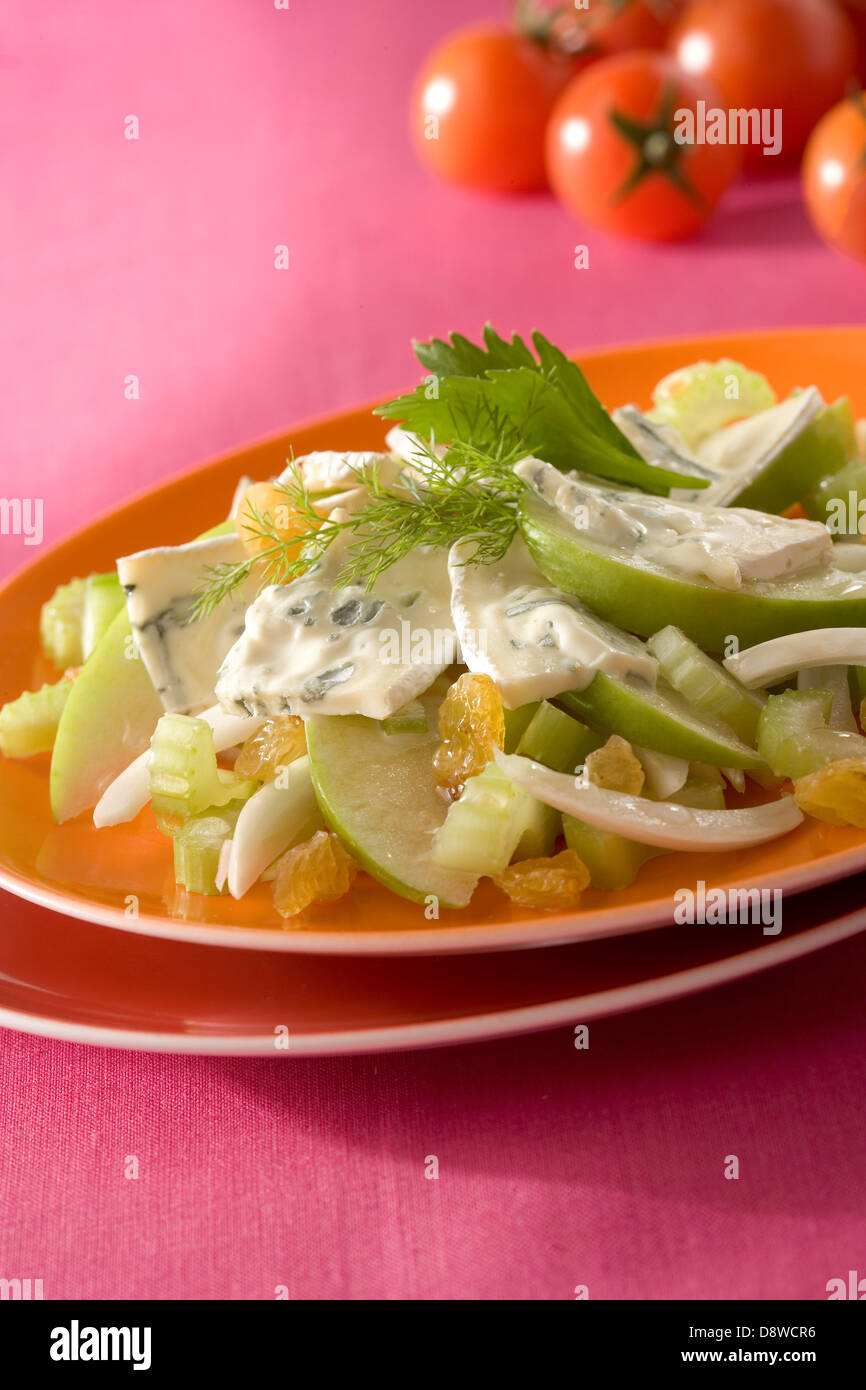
(530, 640)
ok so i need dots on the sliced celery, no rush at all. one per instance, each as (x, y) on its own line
(613, 860)
(184, 777)
(103, 600)
(541, 830)
(483, 826)
(60, 624)
(411, 719)
(557, 739)
(703, 789)
(197, 847)
(793, 734)
(516, 721)
(28, 725)
(704, 396)
(706, 684)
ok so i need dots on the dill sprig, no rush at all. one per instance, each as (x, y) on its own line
(466, 493)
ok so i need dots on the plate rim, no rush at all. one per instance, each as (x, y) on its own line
(468, 1029)
(445, 940)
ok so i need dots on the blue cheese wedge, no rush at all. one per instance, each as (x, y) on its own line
(730, 546)
(533, 640)
(659, 444)
(312, 648)
(182, 657)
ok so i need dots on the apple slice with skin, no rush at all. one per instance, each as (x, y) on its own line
(377, 791)
(638, 594)
(107, 721)
(656, 717)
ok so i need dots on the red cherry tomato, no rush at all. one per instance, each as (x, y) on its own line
(796, 56)
(613, 158)
(856, 12)
(614, 26)
(480, 106)
(834, 176)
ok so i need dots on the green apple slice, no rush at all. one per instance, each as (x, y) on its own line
(108, 718)
(638, 594)
(377, 791)
(656, 717)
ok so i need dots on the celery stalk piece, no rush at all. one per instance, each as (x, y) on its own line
(701, 793)
(60, 624)
(557, 739)
(706, 684)
(411, 719)
(28, 725)
(483, 826)
(613, 860)
(103, 600)
(705, 396)
(516, 722)
(183, 772)
(542, 826)
(794, 737)
(197, 847)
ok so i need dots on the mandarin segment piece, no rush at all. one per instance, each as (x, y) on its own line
(471, 728)
(319, 870)
(835, 793)
(615, 767)
(277, 743)
(270, 503)
(551, 883)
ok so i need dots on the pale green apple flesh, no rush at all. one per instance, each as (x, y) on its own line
(107, 721)
(377, 791)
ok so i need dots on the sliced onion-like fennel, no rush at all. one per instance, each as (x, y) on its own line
(773, 661)
(277, 816)
(668, 825)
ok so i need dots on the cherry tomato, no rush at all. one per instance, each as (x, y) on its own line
(613, 158)
(856, 12)
(834, 176)
(480, 106)
(614, 26)
(795, 56)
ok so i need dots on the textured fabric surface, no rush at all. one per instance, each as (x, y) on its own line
(154, 258)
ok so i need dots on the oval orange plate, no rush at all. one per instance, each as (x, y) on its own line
(122, 877)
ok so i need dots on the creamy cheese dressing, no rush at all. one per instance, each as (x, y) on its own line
(534, 640)
(182, 657)
(312, 648)
(730, 546)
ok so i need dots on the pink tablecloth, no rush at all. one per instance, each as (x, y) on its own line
(154, 258)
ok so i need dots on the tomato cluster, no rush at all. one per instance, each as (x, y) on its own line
(640, 113)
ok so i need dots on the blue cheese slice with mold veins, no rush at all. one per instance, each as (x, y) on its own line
(182, 656)
(730, 546)
(533, 640)
(310, 647)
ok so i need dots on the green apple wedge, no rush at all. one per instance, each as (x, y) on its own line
(377, 791)
(825, 446)
(107, 721)
(639, 595)
(657, 717)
